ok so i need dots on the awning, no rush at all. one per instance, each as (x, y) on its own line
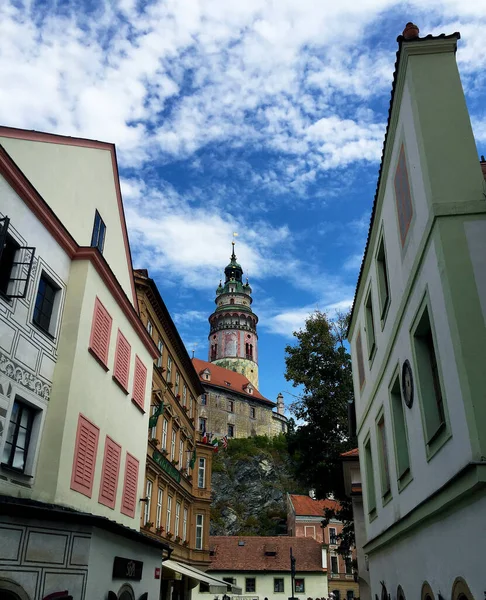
(216, 586)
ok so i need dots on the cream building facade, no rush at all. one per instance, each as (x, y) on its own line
(74, 377)
(418, 339)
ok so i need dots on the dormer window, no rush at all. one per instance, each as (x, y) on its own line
(206, 375)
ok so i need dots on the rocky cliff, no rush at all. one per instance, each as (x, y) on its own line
(249, 483)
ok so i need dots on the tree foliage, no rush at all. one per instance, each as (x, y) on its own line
(319, 365)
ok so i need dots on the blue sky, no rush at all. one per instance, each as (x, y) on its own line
(262, 117)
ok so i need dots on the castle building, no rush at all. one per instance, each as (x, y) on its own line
(232, 406)
(418, 339)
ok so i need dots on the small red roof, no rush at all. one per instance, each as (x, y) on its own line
(247, 553)
(221, 377)
(305, 506)
(354, 452)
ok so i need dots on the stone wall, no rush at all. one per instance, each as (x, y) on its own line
(246, 367)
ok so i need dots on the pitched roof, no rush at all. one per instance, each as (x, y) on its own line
(401, 42)
(351, 453)
(220, 377)
(230, 556)
(305, 506)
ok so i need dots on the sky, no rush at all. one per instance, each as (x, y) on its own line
(261, 117)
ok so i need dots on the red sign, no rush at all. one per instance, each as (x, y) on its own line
(157, 573)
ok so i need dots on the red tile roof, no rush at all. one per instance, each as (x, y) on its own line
(220, 375)
(354, 452)
(305, 506)
(230, 556)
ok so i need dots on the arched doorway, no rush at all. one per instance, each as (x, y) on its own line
(427, 593)
(400, 593)
(126, 592)
(9, 590)
(460, 590)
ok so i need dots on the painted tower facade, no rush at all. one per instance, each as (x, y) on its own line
(233, 339)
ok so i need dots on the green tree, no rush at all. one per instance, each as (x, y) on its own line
(320, 366)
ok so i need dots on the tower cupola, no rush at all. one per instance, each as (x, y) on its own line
(233, 338)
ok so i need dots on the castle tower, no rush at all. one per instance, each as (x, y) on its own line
(233, 340)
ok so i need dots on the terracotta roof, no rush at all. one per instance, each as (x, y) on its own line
(250, 556)
(305, 506)
(354, 452)
(220, 375)
(401, 41)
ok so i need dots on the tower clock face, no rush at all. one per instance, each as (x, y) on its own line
(407, 384)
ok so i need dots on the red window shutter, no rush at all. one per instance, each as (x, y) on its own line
(99, 342)
(139, 380)
(84, 462)
(130, 486)
(109, 474)
(121, 370)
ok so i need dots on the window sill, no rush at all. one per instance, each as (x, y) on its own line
(138, 406)
(14, 471)
(387, 496)
(98, 359)
(404, 480)
(372, 515)
(120, 385)
(43, 331)
(440, 437)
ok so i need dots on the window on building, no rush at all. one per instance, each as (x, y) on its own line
(349, 595)
(278, 585)
(332, 535)
(336, 594)
(204, 399)
(231, 406)
(99, 231)
(370, 479)
(181, 453)
(184, 395)
(160, 346)
(403, 196)
(370, 326)
(169, 513)
(383, 456)
(44, 304)
(148, 495)
(18, 436)
(214, 351)
(399, 429)
(299, 585)
(231, 431)
(150, 327)
(203, 587)
(153, 430)
(121, 368)
(191, 403)
(252, 412)
(158, 515)
(165, 427)
(349, 565)
(15, 264)
(201, 473)
(429, 378)
(184, 524)
(199, 531)
(109, 473)
(359, 358)
(177, 383)
(173, 445)
(202, 424)
(130, 496)
(177, 518)
(250, 585)
(383, 283)
(169, 369)
(334, 564)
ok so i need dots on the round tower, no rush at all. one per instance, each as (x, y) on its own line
(233, 340)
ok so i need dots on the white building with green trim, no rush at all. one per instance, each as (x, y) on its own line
(418, 339)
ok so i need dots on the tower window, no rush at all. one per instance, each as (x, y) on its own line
(232, 301)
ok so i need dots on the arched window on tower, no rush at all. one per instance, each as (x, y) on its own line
(214, 351)
(251, 351)
(232, 301)
(247, 350)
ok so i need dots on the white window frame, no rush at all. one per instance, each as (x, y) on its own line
(184, 523)
(332, 536)
(169, 368)
(165, 427)
(177, 382)
(158, 516)
(177, 518)
(160, 346)
(311, 527)
(173, 440)
(191, 402)
(153, 431)
(148, 503)
(168, 514)
(150, 327)
(184, 395)
(201, 473)
(181, 453)
(199, 531)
